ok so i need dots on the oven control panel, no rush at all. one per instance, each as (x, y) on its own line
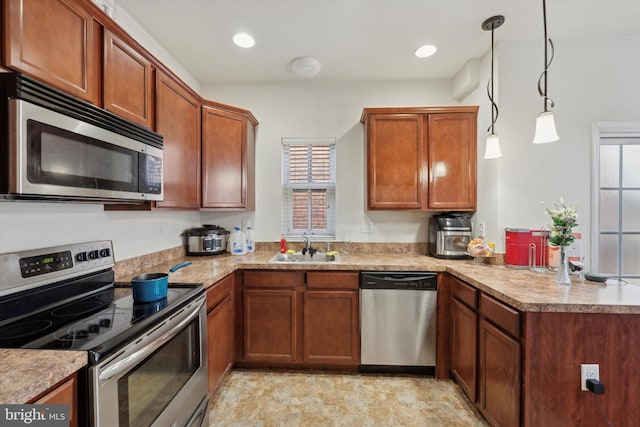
(30, 269)
(43, 264)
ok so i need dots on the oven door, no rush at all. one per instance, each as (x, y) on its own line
(160, 379)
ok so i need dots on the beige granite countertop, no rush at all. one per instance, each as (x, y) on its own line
(522, 289)
(26, 374)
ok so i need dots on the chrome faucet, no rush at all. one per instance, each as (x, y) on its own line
(307, 246)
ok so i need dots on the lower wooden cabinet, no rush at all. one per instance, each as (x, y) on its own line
(220, 331)
(331, 319)
(463, 364)
(299, 318)
(499, 376)
(270, 325)
(65, 393)
(485, 353)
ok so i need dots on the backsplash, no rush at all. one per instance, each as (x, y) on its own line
(354, 247)
(127, 267)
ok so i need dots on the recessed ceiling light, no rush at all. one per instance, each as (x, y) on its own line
(425, 51)
(243, 40)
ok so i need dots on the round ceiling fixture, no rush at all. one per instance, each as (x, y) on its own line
(305, 66)
(244, 40)
(425, 51)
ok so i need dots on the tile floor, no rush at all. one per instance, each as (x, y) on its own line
(283, 399)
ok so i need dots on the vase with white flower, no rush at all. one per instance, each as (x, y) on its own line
(564, 219)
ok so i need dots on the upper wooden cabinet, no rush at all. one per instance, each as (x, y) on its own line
(178, 120)
(128, 81)
(396, 156)
(228, 157)
(421, 158)
(452, 155)
(55, 41)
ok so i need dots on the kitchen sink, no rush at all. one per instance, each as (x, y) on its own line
(300, 258)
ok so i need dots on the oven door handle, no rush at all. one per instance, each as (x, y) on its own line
(132, 359)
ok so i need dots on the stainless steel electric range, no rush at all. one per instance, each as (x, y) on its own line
(147, 362)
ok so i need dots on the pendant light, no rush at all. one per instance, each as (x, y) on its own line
(492, 150)
(545, 123)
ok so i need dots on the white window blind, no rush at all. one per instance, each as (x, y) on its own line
(309, 187)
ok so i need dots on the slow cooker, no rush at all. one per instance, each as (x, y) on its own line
(206, 240)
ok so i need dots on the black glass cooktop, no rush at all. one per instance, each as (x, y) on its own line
(98, 323)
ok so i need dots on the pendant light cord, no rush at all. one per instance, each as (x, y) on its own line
(494, 106)
(491, 24)
(548, 102)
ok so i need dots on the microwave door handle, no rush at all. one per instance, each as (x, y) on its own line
(139, 355)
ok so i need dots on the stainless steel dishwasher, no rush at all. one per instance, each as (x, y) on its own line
(398, 321)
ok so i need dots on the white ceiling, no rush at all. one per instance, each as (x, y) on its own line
(362, 39)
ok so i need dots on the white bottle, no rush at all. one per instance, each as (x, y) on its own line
(238, 242)
(251, 244)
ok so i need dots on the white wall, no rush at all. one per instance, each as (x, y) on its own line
(487, 170)
(28, 225)
(589, 81)
(326, 109)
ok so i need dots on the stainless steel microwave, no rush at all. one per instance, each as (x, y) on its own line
(56, 147)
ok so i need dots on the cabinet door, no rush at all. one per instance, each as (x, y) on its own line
(64, 394)
(220, 342)
(55, 41)
(452, 161)
(224, 159)
(128, 81)
(499, 376)
(331, 327)
(463, 363)
(396, 161)
(178, 120)
(270, 325)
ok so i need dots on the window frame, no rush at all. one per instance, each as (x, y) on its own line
(600, 131)
(287, 229)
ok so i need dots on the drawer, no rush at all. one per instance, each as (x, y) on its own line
(463, 292)
(219, 291)
(273, 279)
(333, 280)
(500, 314)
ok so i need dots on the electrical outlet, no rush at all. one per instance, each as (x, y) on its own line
(588, 371)
(480, 232)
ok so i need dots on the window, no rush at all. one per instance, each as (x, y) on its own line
(617, 207)
(309, 187)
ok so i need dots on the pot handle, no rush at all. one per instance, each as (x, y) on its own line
(179, 266)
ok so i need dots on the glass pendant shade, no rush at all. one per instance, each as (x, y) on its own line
(492, 150)
(545, 128)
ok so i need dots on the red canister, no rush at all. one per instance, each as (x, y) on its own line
(525, 248)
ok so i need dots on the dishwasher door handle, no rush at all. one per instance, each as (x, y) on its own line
(405, 279)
